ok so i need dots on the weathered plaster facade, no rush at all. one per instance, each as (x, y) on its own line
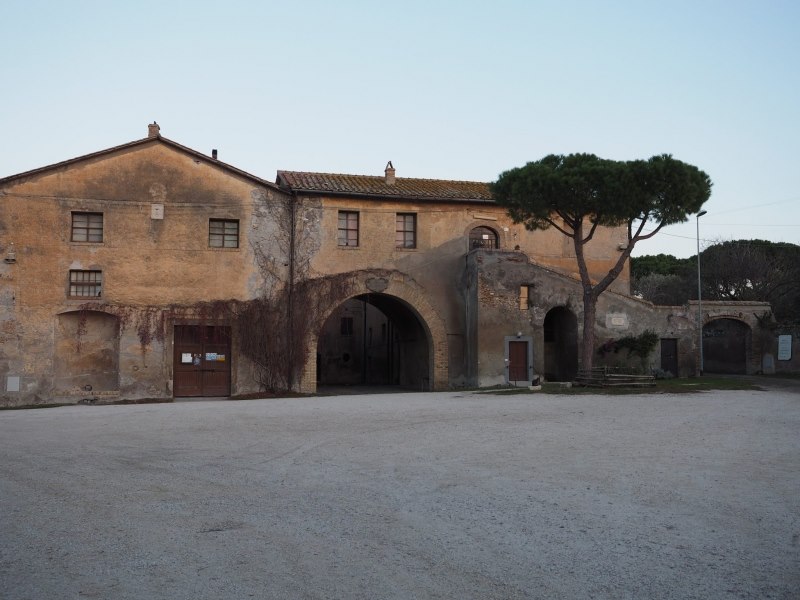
(156, 198)
(459, 301)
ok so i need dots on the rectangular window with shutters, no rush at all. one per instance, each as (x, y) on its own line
(85, 284)
(348, 228)
(87, 227)
(223, 233)
(405, 230)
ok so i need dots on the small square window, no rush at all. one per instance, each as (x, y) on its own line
(223, 233)
(348, 228)
(405, 231)
(87, 227)
(85, 284)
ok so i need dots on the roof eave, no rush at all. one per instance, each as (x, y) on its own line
(363, 195)
(141, 142)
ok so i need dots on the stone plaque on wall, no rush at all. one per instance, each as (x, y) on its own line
(617, 320)
(377, 284)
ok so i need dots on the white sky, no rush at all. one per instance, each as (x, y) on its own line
(445, 89)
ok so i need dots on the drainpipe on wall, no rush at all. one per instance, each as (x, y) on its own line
(290, 295)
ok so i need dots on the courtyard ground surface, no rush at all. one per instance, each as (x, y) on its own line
(429, 495)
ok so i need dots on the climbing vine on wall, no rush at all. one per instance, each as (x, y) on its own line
(637, 345)
(275, 329)
(274, 336)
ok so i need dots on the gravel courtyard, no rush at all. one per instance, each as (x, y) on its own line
(437, 495)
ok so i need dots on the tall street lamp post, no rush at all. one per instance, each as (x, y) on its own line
(699, 294)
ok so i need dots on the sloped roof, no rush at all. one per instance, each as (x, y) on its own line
(337, 184)
(142, 142)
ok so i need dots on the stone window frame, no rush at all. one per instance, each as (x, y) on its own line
(348, 229)
(222, 234)
(87, 227)
(405, 228)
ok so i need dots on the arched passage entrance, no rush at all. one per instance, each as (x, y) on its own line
(375, 339)
(725, 343)
(560, 344)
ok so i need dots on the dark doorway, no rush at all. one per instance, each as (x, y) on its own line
(377, 340)
(202, 361)
(669, 356)
(560, 344)
(725, 344)
(518, 362)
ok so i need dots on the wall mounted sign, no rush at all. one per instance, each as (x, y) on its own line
(617, 321)
(784, 347)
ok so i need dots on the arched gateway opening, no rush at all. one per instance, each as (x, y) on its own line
(560, 344)
(725, 344)
(374, 339)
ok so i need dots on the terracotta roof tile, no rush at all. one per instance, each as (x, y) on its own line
(374, 186)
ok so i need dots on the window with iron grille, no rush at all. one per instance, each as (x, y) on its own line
(87, 227)
(405, 230)
(85, 284)
(483, 237)
(348, 228)
(223, 233)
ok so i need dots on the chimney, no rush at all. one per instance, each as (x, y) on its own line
(214, 154)
(389, 171)
(152, 130)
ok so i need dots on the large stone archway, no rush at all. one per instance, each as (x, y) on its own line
(734, 335)
(726, 345)
(404, 303)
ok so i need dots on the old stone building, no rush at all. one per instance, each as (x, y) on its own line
(126, 271)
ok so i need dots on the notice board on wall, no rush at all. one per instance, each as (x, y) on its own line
(784, 347)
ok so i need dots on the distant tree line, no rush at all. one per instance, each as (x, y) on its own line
(747, 270)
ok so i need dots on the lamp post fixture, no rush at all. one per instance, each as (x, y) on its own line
(699, 293)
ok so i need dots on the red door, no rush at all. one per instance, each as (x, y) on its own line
(202, 363)
(518, 361)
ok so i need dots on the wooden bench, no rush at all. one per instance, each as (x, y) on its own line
(608, 377)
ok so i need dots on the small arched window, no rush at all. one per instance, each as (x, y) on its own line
(483, 237)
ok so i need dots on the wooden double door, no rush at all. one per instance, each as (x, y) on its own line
(202, 361)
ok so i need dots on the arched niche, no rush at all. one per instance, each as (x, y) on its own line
(86, 353)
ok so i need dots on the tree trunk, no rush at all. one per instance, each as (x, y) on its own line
(589, 317)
